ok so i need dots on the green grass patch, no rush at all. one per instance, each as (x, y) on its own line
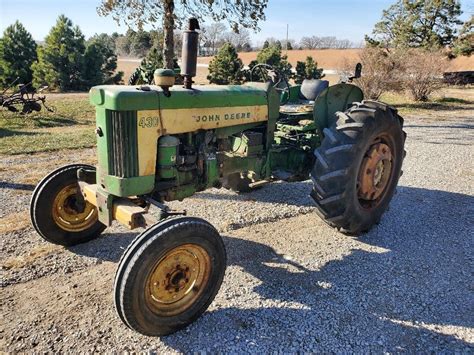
(68, 112)
(44, 140)
(407, 106)
(70, 126)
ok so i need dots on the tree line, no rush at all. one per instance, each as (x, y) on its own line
(65, 61)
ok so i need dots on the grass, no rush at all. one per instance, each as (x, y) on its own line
(444, 100)
(70, 126)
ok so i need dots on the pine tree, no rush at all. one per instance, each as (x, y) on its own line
(273, 57)
(464, 44)
(61, 58)
(226, 67)
(418, 23)
(100, 63)
(308, 70)
(17, 54)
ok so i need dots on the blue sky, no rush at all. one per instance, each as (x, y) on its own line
(340, 18)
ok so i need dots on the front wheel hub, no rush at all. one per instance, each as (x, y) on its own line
(178, 279)
(375, 171)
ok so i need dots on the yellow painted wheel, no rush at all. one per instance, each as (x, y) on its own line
(66, 213)
(178, 279)
(169, 275)
(57, 214)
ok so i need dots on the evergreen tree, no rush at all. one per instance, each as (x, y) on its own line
(226, 67)
(278, 44)
(61, 58)
(17, 54)
(100, 63)
(417, 23)
(308, 70)
(272, 56)
(464, 44)
(266, 44)
(289, 46)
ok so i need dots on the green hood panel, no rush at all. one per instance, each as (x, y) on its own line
(129, 98)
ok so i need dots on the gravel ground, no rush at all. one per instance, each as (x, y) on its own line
(292, 283)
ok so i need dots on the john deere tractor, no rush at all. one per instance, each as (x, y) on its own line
(163, 143)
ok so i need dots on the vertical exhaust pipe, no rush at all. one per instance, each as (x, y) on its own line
(190, 52)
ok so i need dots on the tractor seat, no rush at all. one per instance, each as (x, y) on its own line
(311, 88)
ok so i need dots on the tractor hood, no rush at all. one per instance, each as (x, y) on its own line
(131, 98)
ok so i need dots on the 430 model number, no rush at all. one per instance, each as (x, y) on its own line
(148, 122)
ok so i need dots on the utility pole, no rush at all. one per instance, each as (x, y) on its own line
(287, 26)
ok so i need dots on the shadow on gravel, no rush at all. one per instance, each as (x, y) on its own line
(384, 301)
(15, 186)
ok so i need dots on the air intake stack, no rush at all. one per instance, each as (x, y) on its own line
(190, 52)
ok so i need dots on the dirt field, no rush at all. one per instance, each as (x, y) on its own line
(292, 283)
(335, 59)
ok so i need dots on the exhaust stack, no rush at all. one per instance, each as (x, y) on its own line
(190, 52)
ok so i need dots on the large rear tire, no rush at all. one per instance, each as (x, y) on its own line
(169, 275)
(56, 213)
(358, 166)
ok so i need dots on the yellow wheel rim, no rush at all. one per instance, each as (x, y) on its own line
(177, 280)
(66, 215)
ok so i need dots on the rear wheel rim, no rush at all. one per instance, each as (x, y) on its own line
(66, 215)
(375, 172)
(177, 280)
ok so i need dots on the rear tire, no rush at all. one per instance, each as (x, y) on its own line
(169, 275)
(358, 166)
(54, 212)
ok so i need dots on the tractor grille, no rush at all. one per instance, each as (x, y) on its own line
(123, 149)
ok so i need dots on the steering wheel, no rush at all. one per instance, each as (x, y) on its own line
(276, 78)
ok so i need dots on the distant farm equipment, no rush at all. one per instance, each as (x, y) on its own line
(25, 100)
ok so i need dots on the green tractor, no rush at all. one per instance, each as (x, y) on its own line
(162, 143)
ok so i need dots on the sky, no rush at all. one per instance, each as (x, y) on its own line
(344, 19)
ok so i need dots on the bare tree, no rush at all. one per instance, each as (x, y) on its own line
(212, 35)
(422, 73)
(238, 40)
(312, 42)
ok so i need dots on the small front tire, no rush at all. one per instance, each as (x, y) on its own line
(56, 213)
(169, 275)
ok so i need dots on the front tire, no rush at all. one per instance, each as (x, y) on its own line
(358, 166)
(169, 275)
(55, 212)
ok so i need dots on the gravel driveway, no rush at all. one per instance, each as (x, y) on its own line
(292, 283)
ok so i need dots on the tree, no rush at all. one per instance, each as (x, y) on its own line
(238, 40)
(100, 62)
(418, 23)
(212, 35)
(382, 71)
(226, 67)
(422, 71)
(61, 58)
(245, 13)
(17, 54)
(272, 56)
(289, 46)
(266, 44)
(312, 42)
(308, 70)
(464, 44)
